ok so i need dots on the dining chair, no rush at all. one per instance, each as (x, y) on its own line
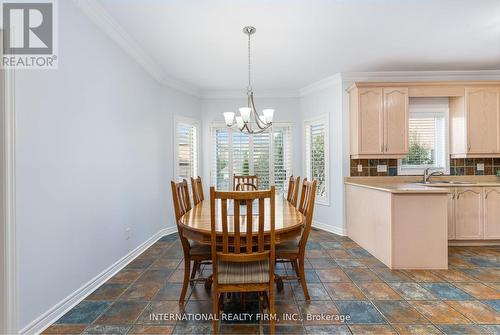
(197, 188)
(293, 190)
(293, 251)
(245, 263)
(245, 183)
(193, 251)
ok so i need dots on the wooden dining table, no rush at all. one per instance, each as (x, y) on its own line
(196, 224)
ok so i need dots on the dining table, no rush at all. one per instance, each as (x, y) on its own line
(288, 222)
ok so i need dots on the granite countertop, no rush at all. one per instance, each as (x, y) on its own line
(412, 184)
(396, 187)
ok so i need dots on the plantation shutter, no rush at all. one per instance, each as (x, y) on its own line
(261, 157)
(316, 159)
(187, 150)
(220, 171)
(282, 158)
(241, 153)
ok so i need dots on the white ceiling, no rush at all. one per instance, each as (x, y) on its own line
(299, 42)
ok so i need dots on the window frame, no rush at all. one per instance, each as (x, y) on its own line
(419, 170)
(194, 123)
(322, 119)
(213, 155)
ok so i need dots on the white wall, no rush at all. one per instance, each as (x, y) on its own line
(94, 156)
(325, 98)
(286, 110)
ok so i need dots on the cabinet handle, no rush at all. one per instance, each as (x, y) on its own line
(468, 147)
(453, 196)
(486, 195)
(386, 147)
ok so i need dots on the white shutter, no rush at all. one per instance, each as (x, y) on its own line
(268, 157)
(261, 159)
(187, 150)
(241, 153)
(282, 157)
(220, 164)
(316, 152)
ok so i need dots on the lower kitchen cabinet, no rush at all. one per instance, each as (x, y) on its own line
(469, 213)
(491, 210)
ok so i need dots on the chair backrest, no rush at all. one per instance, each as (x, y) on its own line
(245, 183)
(306, 207)
(180, 195)
(242, 248)
(197, 188)
(293, 190)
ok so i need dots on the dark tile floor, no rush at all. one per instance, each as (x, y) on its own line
(343, 279)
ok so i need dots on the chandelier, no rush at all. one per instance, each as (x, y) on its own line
(244, 122)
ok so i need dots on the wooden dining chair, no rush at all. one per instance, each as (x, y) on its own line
(246, 261)
(193, 251)
(197, 187)
(245, 183)
(293, 251)
(293, 190)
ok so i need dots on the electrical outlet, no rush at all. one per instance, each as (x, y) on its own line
(480, 166)
(360, 168)
(381, 168)
(127, 234)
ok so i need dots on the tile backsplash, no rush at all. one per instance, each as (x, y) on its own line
(369, 167)
(469, 166)
(458, 167)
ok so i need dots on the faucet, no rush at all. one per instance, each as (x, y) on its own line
(427, 175)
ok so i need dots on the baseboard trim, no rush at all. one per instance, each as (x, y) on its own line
(53, 314)
(328, 228)
(473, 243)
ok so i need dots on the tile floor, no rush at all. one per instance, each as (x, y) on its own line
(343, 279)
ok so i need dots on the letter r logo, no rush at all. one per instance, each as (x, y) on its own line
(27, 28)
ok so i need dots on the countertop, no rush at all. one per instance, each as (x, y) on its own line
(396, 187)
(411, 184)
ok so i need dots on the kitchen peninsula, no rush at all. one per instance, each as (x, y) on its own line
(403, 224)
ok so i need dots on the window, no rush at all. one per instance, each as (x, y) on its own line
(427, 136)
(316, 156)
(267, 155)
(186, 147)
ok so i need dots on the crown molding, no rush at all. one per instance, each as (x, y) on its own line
(239, 94)
(98, 14)
(336, 79)
(403, 76)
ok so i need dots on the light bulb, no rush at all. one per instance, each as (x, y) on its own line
(268, 115)
(229, 118)
(245, 113)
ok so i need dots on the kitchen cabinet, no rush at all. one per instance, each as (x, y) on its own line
(482, 120)
(491, 210)
(468, 213)
(474, 123)
(379, 122)
(396, 120)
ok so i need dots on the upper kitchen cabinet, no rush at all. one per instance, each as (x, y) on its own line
(379, 121)
(474, 123)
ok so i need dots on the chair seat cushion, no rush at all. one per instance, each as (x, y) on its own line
(199, 249)
(243, 272)
(291, 246)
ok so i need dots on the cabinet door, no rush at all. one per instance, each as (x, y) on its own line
(451, 215)
(491, 213)
(482, 120)
(370, 121)
(468, 214)
(396, 120)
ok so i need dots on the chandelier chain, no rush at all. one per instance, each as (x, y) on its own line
(249, 67)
